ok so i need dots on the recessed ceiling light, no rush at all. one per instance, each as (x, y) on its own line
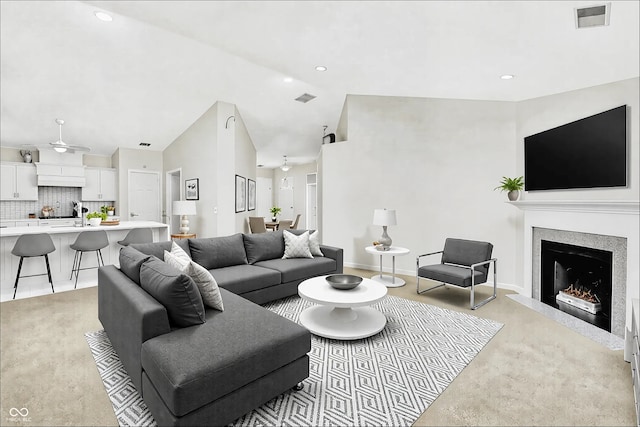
(288, 79)
(103, 16)
(507, 76)
(321, 68)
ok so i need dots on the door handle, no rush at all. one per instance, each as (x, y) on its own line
(134, 214)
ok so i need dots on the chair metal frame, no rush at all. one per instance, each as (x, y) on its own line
(471, 267)
(77, 260)
(18, 276)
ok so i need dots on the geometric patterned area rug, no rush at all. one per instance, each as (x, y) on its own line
(387, 379)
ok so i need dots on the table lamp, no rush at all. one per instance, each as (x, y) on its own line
(384, 217)
(184, 208)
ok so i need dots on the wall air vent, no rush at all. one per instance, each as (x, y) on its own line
(305, 97)
(593, 16)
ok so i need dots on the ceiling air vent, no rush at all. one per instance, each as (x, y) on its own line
(593, 16)
(145, 144)
(305, 97)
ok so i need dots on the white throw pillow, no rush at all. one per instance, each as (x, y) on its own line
(314, 244)
(175, 261)
(296, 246)
(179, 252)
(207, 285)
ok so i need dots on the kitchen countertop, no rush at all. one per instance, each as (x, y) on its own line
(124, 225)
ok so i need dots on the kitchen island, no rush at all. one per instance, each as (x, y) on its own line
(61, 260)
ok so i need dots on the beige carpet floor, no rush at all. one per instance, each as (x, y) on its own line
(533, 372)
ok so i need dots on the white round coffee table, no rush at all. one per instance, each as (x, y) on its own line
(342, 314)
(389, 281)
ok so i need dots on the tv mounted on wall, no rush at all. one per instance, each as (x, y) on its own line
(587, 153)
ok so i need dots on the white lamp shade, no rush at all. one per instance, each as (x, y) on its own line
(384, 217)
(184, 207)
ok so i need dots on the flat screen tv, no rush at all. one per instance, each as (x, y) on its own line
(587, 153)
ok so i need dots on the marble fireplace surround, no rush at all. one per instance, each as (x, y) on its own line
(616, 245)
(603, 224)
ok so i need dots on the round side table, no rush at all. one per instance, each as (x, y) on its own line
(389, 281)
(184, 236)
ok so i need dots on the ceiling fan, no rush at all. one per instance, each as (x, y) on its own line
(62, 147)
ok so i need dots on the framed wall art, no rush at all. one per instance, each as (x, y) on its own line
(251, 194)
(192, 189)
(241, 193)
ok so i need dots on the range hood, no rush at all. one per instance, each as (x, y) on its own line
(60, 169)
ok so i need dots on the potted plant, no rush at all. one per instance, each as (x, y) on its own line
(95, 218)
(109, 210)
(275, 211)
(513, 186)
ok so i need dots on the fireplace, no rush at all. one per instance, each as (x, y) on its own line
(582, 248)
(577, 280)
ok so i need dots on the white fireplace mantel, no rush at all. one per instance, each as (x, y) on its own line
(605, 217)
(596, 206)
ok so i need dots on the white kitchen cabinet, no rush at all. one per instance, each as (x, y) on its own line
(18, 181)
(5, 224)
(27, 223)
(100, 185)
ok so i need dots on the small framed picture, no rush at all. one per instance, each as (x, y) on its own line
(191, 189)
(241, 193)
(251, 194)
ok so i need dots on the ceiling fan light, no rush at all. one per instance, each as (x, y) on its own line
(60, 149)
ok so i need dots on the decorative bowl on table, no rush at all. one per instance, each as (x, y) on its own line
(344, 281)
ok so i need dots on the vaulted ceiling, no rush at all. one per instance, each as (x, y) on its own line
(147, 75)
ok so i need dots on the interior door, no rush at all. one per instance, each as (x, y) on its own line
(144, 196)
(312, 202)
(264, 197)
(285, 200)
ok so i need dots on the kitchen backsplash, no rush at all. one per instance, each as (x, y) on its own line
(48, 196)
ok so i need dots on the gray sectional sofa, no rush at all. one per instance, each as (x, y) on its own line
(213, 372)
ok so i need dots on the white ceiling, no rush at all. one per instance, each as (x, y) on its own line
(151, 72)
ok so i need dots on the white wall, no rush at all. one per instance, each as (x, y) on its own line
(539, 114)
(214, 149)
(195, 153)
(436, 162)
(245, 164)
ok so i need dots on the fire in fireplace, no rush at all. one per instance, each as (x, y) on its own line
(577, 280)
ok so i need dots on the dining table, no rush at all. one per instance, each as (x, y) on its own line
(272, 225)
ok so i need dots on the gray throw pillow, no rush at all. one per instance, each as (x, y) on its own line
(263, 246)
(130, 262)
(175, 290)
(218, 252)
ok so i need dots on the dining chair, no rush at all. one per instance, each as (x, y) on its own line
(256, 224)
(285, 224)
(295, 223)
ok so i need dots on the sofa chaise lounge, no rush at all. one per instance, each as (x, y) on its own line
(213, 372)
